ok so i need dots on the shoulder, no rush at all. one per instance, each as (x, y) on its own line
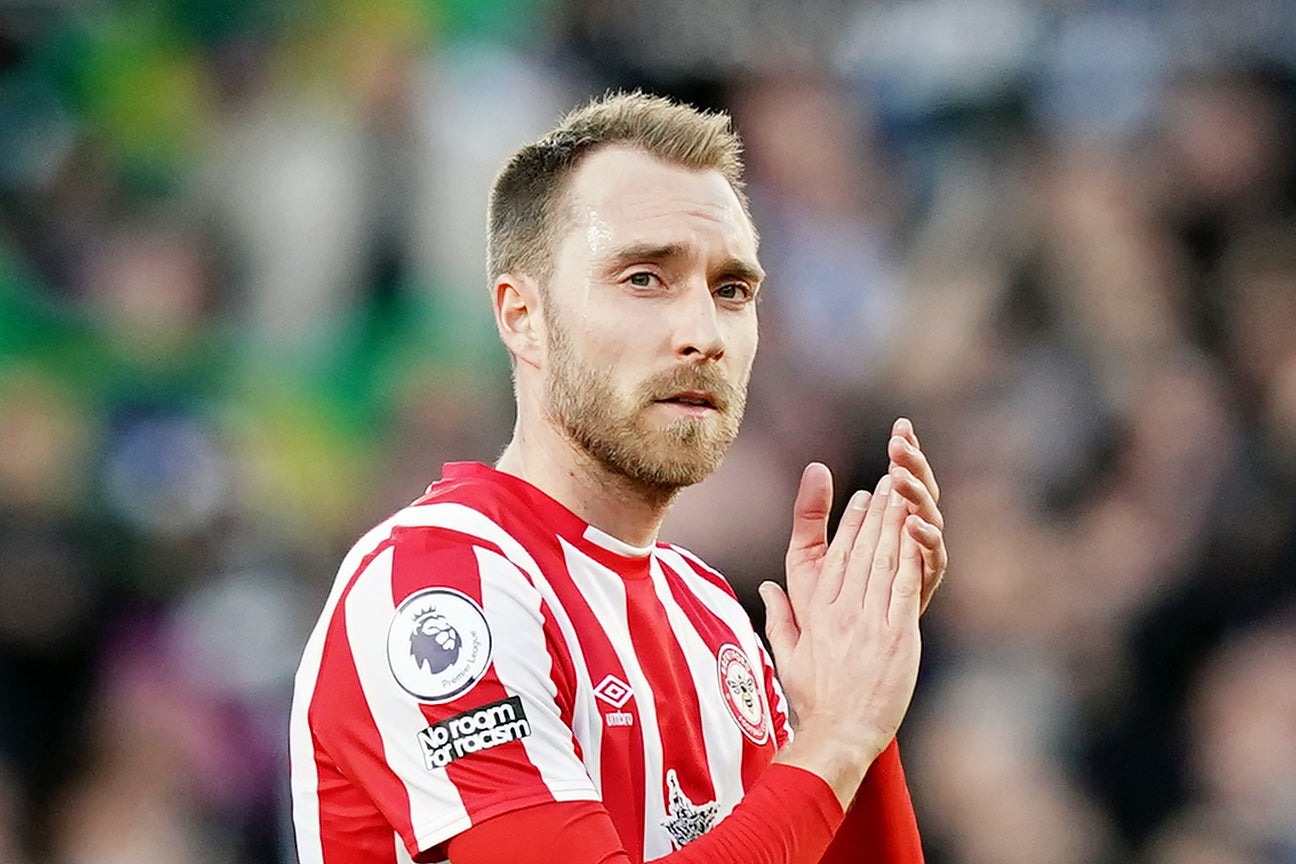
(695, 570)
(441, 541)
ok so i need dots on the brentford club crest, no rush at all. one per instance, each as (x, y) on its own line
(742, 693)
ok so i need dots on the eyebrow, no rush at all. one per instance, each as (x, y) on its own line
(733, 268)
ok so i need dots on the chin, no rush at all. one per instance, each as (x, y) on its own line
(676, 461)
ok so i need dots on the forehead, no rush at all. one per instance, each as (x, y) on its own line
(620, 195)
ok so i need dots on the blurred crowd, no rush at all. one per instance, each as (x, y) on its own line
(243, 315)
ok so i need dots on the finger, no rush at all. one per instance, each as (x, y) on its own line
(905, 593)
(886, 557)
(904, 427)
(917, 493)
(780, 628)
(833, 566)
(809, 538)
(929, 537)
(931, 545)
(856, 575)
(907, 454)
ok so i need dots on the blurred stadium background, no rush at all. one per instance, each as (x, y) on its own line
(242, 315)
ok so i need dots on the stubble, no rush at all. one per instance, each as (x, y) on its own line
(619, 434)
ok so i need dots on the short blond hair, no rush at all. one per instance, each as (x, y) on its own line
(525, 200)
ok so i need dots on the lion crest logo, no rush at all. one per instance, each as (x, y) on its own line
(434, 643)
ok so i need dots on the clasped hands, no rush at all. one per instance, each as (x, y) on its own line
(845, 634)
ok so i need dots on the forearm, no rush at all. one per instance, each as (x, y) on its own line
(788, 817)
(880, 826)
(839, 761)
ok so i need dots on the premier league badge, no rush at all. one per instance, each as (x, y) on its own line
(438, 645)
(742, 693)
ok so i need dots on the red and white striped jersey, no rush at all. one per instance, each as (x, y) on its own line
(485, 650)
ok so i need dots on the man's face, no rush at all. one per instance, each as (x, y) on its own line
(651, 317)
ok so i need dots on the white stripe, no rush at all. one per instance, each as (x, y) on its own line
(719, 601)
(305, 777)
(720, 734)
(402, 854)
(605, 592)
(526, 670)
(436, 809)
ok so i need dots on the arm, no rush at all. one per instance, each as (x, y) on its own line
(880, 824)
(849, 662)
(880, 827)
(788, 817)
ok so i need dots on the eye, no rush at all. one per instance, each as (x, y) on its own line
(642, 279)
(734, 291)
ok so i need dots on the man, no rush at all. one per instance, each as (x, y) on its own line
(513, 669)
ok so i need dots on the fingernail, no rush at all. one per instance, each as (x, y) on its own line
(884, 485)
(859, 500)
(905, 445)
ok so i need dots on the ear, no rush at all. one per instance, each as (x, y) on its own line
(518, 317)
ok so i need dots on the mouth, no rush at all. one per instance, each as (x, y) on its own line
(691, 399)
(696, 403)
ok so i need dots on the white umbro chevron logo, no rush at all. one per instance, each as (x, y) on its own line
(613, 691)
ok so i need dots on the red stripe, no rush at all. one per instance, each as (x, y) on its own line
(350, 828)
(621, 761)
(348, 820)
(426, 557)
(715, 632)
(679, 717)
(775, 697)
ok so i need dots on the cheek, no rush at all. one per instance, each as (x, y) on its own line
(625, 351)
(742, 340)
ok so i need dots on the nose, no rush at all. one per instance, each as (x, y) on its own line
(697, 332)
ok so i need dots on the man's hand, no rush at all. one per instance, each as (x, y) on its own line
(848, 655)
(911, 475)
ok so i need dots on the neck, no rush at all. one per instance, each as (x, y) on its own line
(547, 459)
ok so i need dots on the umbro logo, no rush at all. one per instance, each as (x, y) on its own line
(613, 691)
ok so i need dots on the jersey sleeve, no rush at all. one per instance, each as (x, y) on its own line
(441, 693)
(788, 817)
(880, 826)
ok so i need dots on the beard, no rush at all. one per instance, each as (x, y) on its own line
(619, 434)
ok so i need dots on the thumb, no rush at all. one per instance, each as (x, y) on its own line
(780, 627)
(810, 512)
